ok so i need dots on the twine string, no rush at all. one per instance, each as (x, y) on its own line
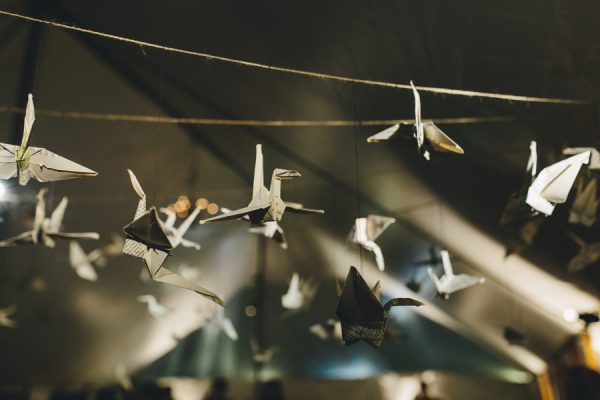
(293, 71)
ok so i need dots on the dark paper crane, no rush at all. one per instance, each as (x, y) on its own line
(362, 315)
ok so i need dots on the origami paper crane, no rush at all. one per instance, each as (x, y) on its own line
(367, 230)
(541, 192)
(155, 309)
(300, 293)
(27, 162)
(361, 314)
(82, 262)
(424, 134)
(450, 282)
(266, 204)
(46, 230)
(147, 238)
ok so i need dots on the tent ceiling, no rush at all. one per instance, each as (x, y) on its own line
(83, 330)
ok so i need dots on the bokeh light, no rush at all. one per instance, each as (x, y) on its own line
(212, 208)
(201, 203)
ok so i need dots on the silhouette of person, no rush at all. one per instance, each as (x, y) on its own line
(272, 390)
(423, 394)
(218, 390)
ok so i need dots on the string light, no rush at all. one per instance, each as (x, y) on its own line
(212, 208)
(201, 203)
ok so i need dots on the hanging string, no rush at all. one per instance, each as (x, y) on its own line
(358, 211)
(157, 132)
(251, 64)
(249, 122)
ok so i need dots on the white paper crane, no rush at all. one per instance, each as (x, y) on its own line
(82, 262)
(331, 330)
(451, 283)
(367, 230)
(553, 184)
(425, 134)
(541, 192)
(223, 323)
(147, 239)
(300, 293)
(155, 309)
(46, 230)
(266, 204)
(5, 316)
(25, 162)
(175, 235)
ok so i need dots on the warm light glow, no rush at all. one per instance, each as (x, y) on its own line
(180, 206)
(201, 203)
(250, 311)
(185, 200)
(212, 208)
(171, 207)
(570, 315)
(183, 214)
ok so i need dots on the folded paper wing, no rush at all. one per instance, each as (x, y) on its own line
(594, 155)
(39, 163)
(376, 225)
(19, 240)
(439, 141)
(386, 134)
(81, 262)
(45, 165)
(166, 276)
(298, 208)
(553, 184)
(240, 213)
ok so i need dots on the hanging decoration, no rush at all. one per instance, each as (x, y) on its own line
(146, 238)
(46, 230)
(266, 204)
(361, 314)
(425, 134)
(27, 162)
(450, 282)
